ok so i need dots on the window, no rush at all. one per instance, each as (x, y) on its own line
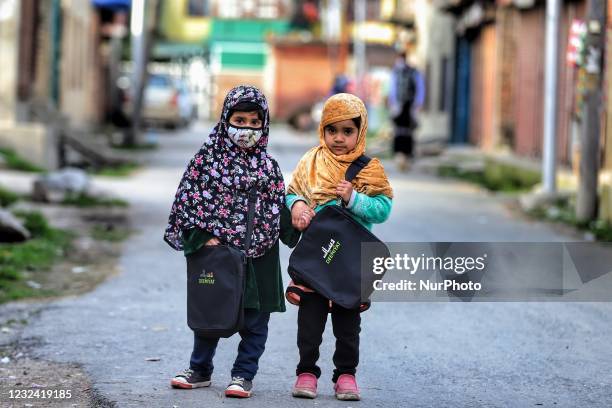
(197, 8)
(268, 9)
(229, 9)
(159, 81)
(373, 10)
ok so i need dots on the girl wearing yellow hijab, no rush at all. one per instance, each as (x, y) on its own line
(319, 181)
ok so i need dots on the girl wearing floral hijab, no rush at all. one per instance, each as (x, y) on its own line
(210, 207)
(318, 181)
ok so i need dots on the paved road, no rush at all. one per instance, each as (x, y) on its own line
(412, 354)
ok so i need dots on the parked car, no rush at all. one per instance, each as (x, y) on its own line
(167, 102)
(187, 105)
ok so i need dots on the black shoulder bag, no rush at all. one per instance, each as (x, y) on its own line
(328, 258)
(216, 279)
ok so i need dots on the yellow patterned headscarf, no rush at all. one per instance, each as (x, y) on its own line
(320, 170)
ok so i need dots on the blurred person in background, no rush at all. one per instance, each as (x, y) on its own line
(406, 97)
(342, 84)
(306, 15)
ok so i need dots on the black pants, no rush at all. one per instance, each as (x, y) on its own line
(403, 142)
(312, 317)
(404, 126)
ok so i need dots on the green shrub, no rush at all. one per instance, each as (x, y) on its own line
(122, 170)
(140, 147)
(85, 200)
(39, 253)
(109, 233)
(564, 211)
(16, 162)
(9, 273)
(506, 177)
(7, 197)
(495, 176)
(36, 223)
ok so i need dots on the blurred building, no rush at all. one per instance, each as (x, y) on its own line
(499, 74)
(498, 86)
(384, 23)
(300, 74)
(185, 22)
(230, 36)
(433, 54)
(55, 71)
(239, 53)
(181, 48)
(605, 204)
(293, 50)
(305, 59)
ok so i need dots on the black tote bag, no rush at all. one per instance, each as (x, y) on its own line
(216, 279)
(328, 257)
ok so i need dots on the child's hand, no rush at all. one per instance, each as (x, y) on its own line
(301, 215)
(344, 190)
(213, 241)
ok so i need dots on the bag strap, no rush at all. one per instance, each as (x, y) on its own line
(356, 166)
(250, 218)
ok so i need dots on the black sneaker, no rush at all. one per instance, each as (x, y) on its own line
(189, 379)
(239, 388)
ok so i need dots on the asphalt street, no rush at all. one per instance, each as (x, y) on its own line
(412, 354)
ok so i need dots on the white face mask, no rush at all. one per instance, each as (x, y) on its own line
(244, 137)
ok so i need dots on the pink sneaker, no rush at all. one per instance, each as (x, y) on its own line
(305, 386)
(346, 388)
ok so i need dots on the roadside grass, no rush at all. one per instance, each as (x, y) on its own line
(494, 176)
(7, 197)
(136, 148)
(109, 233)
(563, 211)
(16, 162)
(85, 201)
(46, 246)
(122, 170)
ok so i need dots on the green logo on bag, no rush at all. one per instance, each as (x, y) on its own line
(330, 251)
(206, 278)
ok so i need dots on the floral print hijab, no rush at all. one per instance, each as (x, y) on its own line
(213, 192)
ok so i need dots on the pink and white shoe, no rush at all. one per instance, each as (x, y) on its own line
(346, 388)
(305, 386)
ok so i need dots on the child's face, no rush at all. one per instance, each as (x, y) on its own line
(341, 137)
(245, 119)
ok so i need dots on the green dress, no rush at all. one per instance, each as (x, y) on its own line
(264, 284)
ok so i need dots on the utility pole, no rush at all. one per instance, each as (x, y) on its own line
(586, 203)
(143, 25)
(333, 33)
(549, 162)
(360, 47)
(137, 30)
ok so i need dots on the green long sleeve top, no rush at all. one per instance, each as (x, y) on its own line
(365, 209)
(264, 284)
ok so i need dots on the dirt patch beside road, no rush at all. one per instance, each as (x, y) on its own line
(31, 382)
(91, 259)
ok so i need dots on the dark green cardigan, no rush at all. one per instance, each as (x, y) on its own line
(264, 283)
